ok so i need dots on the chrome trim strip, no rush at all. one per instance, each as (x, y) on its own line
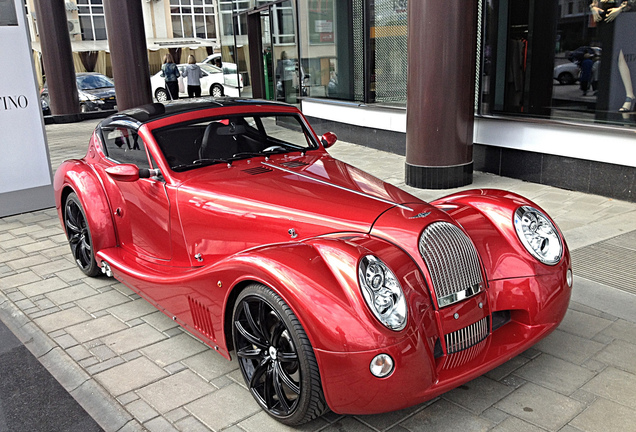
(402, 206)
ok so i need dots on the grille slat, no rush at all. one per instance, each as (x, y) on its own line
(452, 262)
(467, 337)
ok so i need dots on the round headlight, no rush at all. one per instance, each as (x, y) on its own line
(539, 235)
(382, 292)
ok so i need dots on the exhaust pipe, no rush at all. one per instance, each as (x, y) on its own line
(106, 269)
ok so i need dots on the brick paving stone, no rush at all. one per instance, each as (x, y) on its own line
(159, 424)
(513, 424)
(218, 410)
(130, 376)
(623, 330)
(555, 374)
(569, 347)
(96, 328)
(615, 385)
(210, 364)
(141, 410)
(619, 354)
(42, 287)
(132, 338)
(22, 263)
(191, 424)
(37, 246)
(52, 267)
(605, 416)
(349, 424)
(17, 242)
(540, 406)
(11, 256)
(478, 394)
(174, 349)
(71, 294)
(104, 365)
(102, 301)
(386, 420)
(175, 391)
(62, 319)
(583, 325)
(132, 309)
(18, 280)
(445, 416)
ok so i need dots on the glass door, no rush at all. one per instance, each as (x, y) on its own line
(273, 35)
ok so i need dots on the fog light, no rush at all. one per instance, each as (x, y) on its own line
(568, 277)
(381, 365)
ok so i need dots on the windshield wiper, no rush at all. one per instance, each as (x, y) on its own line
(275, 149)
(200, 163)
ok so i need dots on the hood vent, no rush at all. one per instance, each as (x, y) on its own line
(258, 170)
(294, 164)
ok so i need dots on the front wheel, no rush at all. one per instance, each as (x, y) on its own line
(566, 78)
(79, 236)
(276, 357)
(216, 90)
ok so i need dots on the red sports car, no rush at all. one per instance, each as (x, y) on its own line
(334, 289)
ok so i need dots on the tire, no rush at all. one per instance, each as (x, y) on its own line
(161, 95)
(79, 236)
(276, 357)
(217, 90)
(566, 78)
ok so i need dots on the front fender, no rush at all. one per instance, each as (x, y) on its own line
(318, 280)
(487, 216)
(76, 176)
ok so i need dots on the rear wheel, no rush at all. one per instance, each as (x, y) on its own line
(161, 95)
(566, 78)
(79, 236)
(276, 357)
(216, 90)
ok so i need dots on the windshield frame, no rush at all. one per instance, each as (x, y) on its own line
(167, 147)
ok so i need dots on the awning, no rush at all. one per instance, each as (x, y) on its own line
(152, 44)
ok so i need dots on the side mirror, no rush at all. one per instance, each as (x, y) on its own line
(130, 172)
(124, 172)
(328, 139)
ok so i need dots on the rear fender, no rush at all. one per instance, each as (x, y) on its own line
(76, 176)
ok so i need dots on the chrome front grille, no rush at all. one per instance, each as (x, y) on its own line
(452, 262)
(468, 336)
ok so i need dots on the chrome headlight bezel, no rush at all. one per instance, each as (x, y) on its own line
(539, 235)
(382, 292)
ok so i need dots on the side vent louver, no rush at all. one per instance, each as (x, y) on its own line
(201, 317)
(257, 170)
(294, 164)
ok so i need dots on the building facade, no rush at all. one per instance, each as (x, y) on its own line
(554, 100)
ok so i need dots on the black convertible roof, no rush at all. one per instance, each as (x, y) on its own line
(135, 117)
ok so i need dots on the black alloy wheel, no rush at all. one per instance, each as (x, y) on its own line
(79, 236)
(276, 357)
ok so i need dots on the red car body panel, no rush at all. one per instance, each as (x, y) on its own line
(300, 223)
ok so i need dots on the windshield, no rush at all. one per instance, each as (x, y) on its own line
(209, 68)
(223, 140)
(88, 82)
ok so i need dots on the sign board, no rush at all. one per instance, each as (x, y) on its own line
(25, 170)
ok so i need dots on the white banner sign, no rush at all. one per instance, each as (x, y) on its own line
(24, 162)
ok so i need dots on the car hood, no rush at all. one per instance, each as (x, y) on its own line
(101, 93)
(226, 209)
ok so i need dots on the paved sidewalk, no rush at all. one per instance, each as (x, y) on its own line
(132, 368)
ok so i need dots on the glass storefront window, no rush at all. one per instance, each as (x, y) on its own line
(567, 60)
(327, 49)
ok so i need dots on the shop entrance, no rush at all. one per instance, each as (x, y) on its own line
(269, 60)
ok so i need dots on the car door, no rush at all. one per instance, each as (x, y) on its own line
(141, 207)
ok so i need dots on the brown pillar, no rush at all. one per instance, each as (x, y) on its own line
(128, 52)
(257, 68)
(57, 56)
(440, 104)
